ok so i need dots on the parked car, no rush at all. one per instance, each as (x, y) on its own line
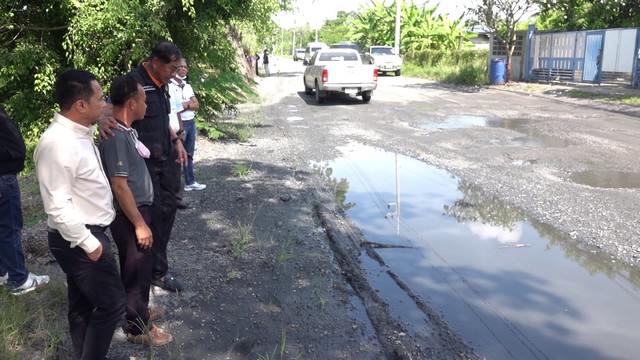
(298, 54)
(384, 58)
(311, 49)
(339, 71)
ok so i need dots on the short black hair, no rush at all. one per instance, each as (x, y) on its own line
(73, 85)
(123, 89)
(166, 51)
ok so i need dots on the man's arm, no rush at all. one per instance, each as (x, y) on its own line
(107, 123)
(127, 203)
(182, 153)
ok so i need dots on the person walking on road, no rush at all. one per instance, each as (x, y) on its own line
(123, 160)
(79, 206)
(265, 61)
(13, 271)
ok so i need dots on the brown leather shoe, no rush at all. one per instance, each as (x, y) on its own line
(155, 313)
(155, 337)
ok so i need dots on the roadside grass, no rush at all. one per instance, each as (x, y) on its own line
(241, 243)
(279, 351)
(30, 325)
(231, 126)
(32, 208)
(241, 169)
(286, 250)
(621, 99)
(234, 275)
(475, 73)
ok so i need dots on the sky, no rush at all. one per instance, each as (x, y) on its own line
(316, 11)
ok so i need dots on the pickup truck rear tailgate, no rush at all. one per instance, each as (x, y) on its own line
(349, 74)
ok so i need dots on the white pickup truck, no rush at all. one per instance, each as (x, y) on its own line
(339, 71)
(384, 58)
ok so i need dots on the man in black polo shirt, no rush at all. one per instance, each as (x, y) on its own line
(166, 153)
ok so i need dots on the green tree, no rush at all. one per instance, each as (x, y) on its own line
(39, 38)
(421, 29)
(503, 18)
(588, 14)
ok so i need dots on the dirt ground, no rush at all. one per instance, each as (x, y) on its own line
(271, 265)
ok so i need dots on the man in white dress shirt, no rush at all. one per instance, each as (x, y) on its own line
(79, 205)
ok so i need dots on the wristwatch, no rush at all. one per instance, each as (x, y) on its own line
(179, 132)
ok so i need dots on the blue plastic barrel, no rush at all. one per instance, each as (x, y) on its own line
(497, 72)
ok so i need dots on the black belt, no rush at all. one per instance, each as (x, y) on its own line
(96, 228)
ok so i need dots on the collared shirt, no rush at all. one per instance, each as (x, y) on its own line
(182, 93)
(73, 186)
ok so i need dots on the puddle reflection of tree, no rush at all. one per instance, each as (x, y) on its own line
(339, 188)
(476, 205)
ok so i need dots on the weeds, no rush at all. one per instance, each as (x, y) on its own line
(241, 169)
(234, 275)
(31, 322)
(240, 244)
(279, 350)
(286, 250)
(623, 99)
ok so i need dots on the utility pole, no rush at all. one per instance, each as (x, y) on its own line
(398, 13)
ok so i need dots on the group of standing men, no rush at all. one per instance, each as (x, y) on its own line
(130, 185)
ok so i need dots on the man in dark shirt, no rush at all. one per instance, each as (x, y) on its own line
(13, 271)
(167, 154)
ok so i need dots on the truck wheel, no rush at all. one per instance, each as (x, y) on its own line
(307, 90)
(366, 96)
(319, 99)
(398, 72)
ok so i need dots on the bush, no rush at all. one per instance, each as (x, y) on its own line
(467, 67)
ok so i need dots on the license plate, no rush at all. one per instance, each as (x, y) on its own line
(351, 91)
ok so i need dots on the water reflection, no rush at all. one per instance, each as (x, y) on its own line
(555, 298)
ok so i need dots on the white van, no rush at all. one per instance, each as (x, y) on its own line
(311, 49)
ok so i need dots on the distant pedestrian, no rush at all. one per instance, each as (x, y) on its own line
(12, 267)
(79, 206)
(598, 78)
(123, 159)
(265, 61)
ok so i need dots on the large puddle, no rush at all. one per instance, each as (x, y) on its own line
(512, 288)
(527, 137)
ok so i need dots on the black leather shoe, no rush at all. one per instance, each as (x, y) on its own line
(169, 283)
(183, 206)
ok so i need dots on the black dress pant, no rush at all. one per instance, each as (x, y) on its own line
(165, 176)
(96, 295)
(135, 270)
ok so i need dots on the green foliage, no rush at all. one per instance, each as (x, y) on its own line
(421, 28)
(31, 321)
(588, 14)
(465, 67)
(40, 38)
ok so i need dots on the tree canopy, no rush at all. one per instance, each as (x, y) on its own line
(39, 38)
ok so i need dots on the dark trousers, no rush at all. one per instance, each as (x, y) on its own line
(135, 270)
(96, 295)
(165, 176)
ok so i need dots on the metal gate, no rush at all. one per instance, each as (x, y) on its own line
(594, 43)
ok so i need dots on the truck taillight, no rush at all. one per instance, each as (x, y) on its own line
(375, 74)
(325, 75)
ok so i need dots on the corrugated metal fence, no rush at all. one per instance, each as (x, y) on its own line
(572, 56)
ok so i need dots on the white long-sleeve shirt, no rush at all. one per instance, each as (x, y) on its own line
(73, 186)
